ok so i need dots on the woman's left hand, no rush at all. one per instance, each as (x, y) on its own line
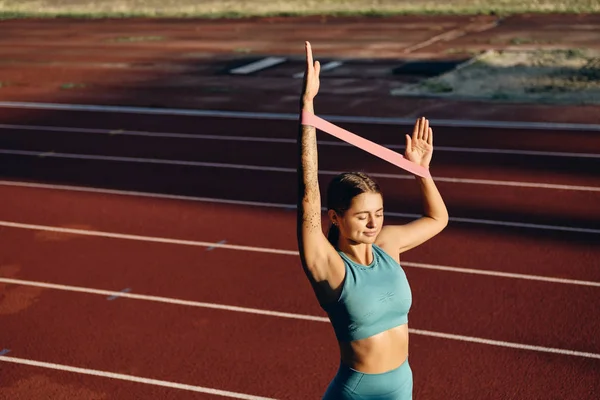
(419, 148)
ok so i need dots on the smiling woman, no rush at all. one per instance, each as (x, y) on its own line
(355, 272)
(342, 190)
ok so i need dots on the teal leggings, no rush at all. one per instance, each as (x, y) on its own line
(349, 384)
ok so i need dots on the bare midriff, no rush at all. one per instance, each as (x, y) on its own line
(379, 353)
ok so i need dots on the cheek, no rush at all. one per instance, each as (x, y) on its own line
(360, 225)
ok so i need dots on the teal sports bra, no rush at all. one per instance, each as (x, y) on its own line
(373, 298)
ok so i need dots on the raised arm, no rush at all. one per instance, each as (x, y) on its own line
(419, 149)
(316, 252)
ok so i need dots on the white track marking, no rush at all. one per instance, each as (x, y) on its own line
(502, 274)
(173, 135)
(143, 194)
(52, 154)
(161, 299)
(223, 245)
(294, 117)
(145, 238)
(289, 206)
(258, 65)
(501, 343)
(524, 225)
(326, 67)
(130, 378)
(288, 315)
(514, 152)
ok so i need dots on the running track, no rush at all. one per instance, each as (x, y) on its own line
(139, 247)
(168, 251)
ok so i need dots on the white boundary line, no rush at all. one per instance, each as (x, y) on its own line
(501, 343)
(142, 238)
(287, 206)
(325, 67)
(291, 315)
(51, 154)
(257, 65)
(192, 136)
(223, 245)
(130, 378)
(502, 274)
(295, 117)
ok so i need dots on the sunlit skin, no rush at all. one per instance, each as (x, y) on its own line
(360, 227)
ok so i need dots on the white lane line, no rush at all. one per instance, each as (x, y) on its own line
(501, 274)
(258, 65)
(131, 378)
(501, 343)
(290, 315)
(143, 194)
(192, 136)
(325, 67)
(145, 160)
(160, 299)
(524, 225)
(112, 235)
(144, 238)
(515, 152)
(294, 117)
(535, 185)
(289, 206)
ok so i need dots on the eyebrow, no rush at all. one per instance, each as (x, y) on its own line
(366, 212)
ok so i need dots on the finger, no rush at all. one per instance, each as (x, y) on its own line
(317, 68)
(430, 137)
(309, 56)
(416, 129)
(408, 144)
(424, 129)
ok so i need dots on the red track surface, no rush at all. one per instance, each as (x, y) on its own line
(277, 356)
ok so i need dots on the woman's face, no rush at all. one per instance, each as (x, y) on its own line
(362, 222)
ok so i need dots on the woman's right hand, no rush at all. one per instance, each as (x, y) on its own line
(311, 76)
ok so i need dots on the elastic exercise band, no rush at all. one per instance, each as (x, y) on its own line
(384, 153)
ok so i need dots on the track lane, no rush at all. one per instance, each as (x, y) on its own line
(32, 382)
(548, 381)
(502, 309)
(502, 167)
(511, 204)
(522, 139)
(115, 328)
(560, 254)
(202, 347)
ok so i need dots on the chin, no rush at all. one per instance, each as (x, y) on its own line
(369, 239)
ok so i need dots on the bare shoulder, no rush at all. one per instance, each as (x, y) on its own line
(400, 238)
(390, 250)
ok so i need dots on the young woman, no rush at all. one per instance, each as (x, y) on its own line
(355, 272)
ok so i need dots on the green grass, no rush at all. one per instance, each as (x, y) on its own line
(249, 8)
(72, 85)
(129, 39)
(437, 86)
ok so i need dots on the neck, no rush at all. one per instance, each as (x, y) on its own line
(361, 253)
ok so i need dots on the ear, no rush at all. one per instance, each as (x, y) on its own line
(332, 216)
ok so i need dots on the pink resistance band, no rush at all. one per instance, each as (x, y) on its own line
(384, 153)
